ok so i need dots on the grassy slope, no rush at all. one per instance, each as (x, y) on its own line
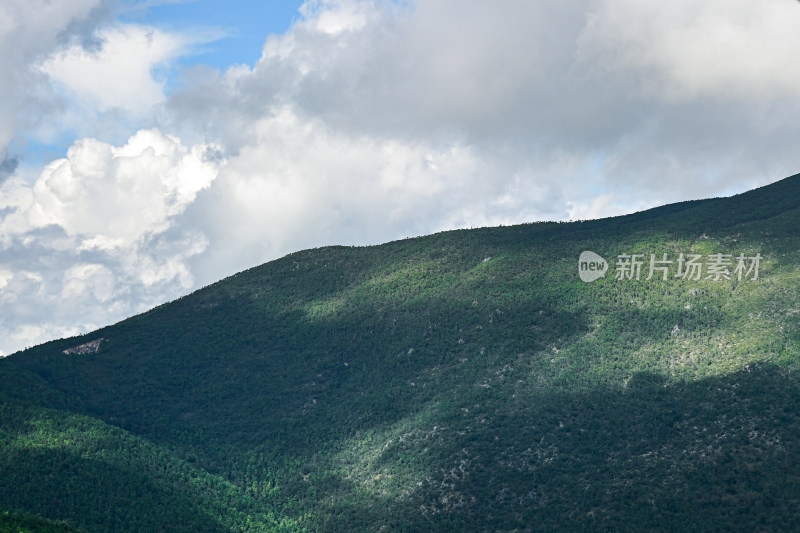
(465, 380)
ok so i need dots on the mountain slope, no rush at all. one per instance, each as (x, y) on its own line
(467, 380)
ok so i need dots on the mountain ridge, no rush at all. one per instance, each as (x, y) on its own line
(466, 380)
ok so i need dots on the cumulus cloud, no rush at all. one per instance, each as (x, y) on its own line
(717, 49)
(30, 29)
(110, 196)
(90, 237)
(100, 228)
(69, 69)
(117, 71)
(643, 88)
(300, 183)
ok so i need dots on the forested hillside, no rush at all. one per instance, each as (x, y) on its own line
(463, 381)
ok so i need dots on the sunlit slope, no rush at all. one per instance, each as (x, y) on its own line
(465, 380)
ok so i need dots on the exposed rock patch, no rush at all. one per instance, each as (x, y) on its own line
(89, 347)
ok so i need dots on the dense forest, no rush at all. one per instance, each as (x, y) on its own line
(462, 381)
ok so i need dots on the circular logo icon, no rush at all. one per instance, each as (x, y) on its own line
(591, 266)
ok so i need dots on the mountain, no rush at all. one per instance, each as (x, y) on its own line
(464, 381)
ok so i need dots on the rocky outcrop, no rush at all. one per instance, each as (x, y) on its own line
(89, 347)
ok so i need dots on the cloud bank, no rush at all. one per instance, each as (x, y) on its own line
(367, 121)
(95, 235)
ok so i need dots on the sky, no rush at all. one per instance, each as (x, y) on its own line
(149, 148)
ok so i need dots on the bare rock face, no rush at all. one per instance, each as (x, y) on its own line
(89, 347)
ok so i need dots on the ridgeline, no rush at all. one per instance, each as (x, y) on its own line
(464, 381)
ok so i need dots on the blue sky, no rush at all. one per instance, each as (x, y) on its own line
(235, 30)
(242, 24)
(147, 151)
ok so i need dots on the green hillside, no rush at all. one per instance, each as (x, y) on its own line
(463, 381)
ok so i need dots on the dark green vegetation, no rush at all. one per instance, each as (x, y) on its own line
(23, 523)
(463, 381)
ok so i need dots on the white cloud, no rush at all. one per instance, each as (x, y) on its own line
(26, 335)
(334, 17)
(118, 72)
(537, 80)
(5, 277)
(30, 29)
(101, 226)
(604, 205)
(92, 237)
(111, 197)
(70, 70)
(299, 183)
(717, 49)
(94, 279)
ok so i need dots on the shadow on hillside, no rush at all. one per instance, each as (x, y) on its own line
(92, 493)
(717, 454)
